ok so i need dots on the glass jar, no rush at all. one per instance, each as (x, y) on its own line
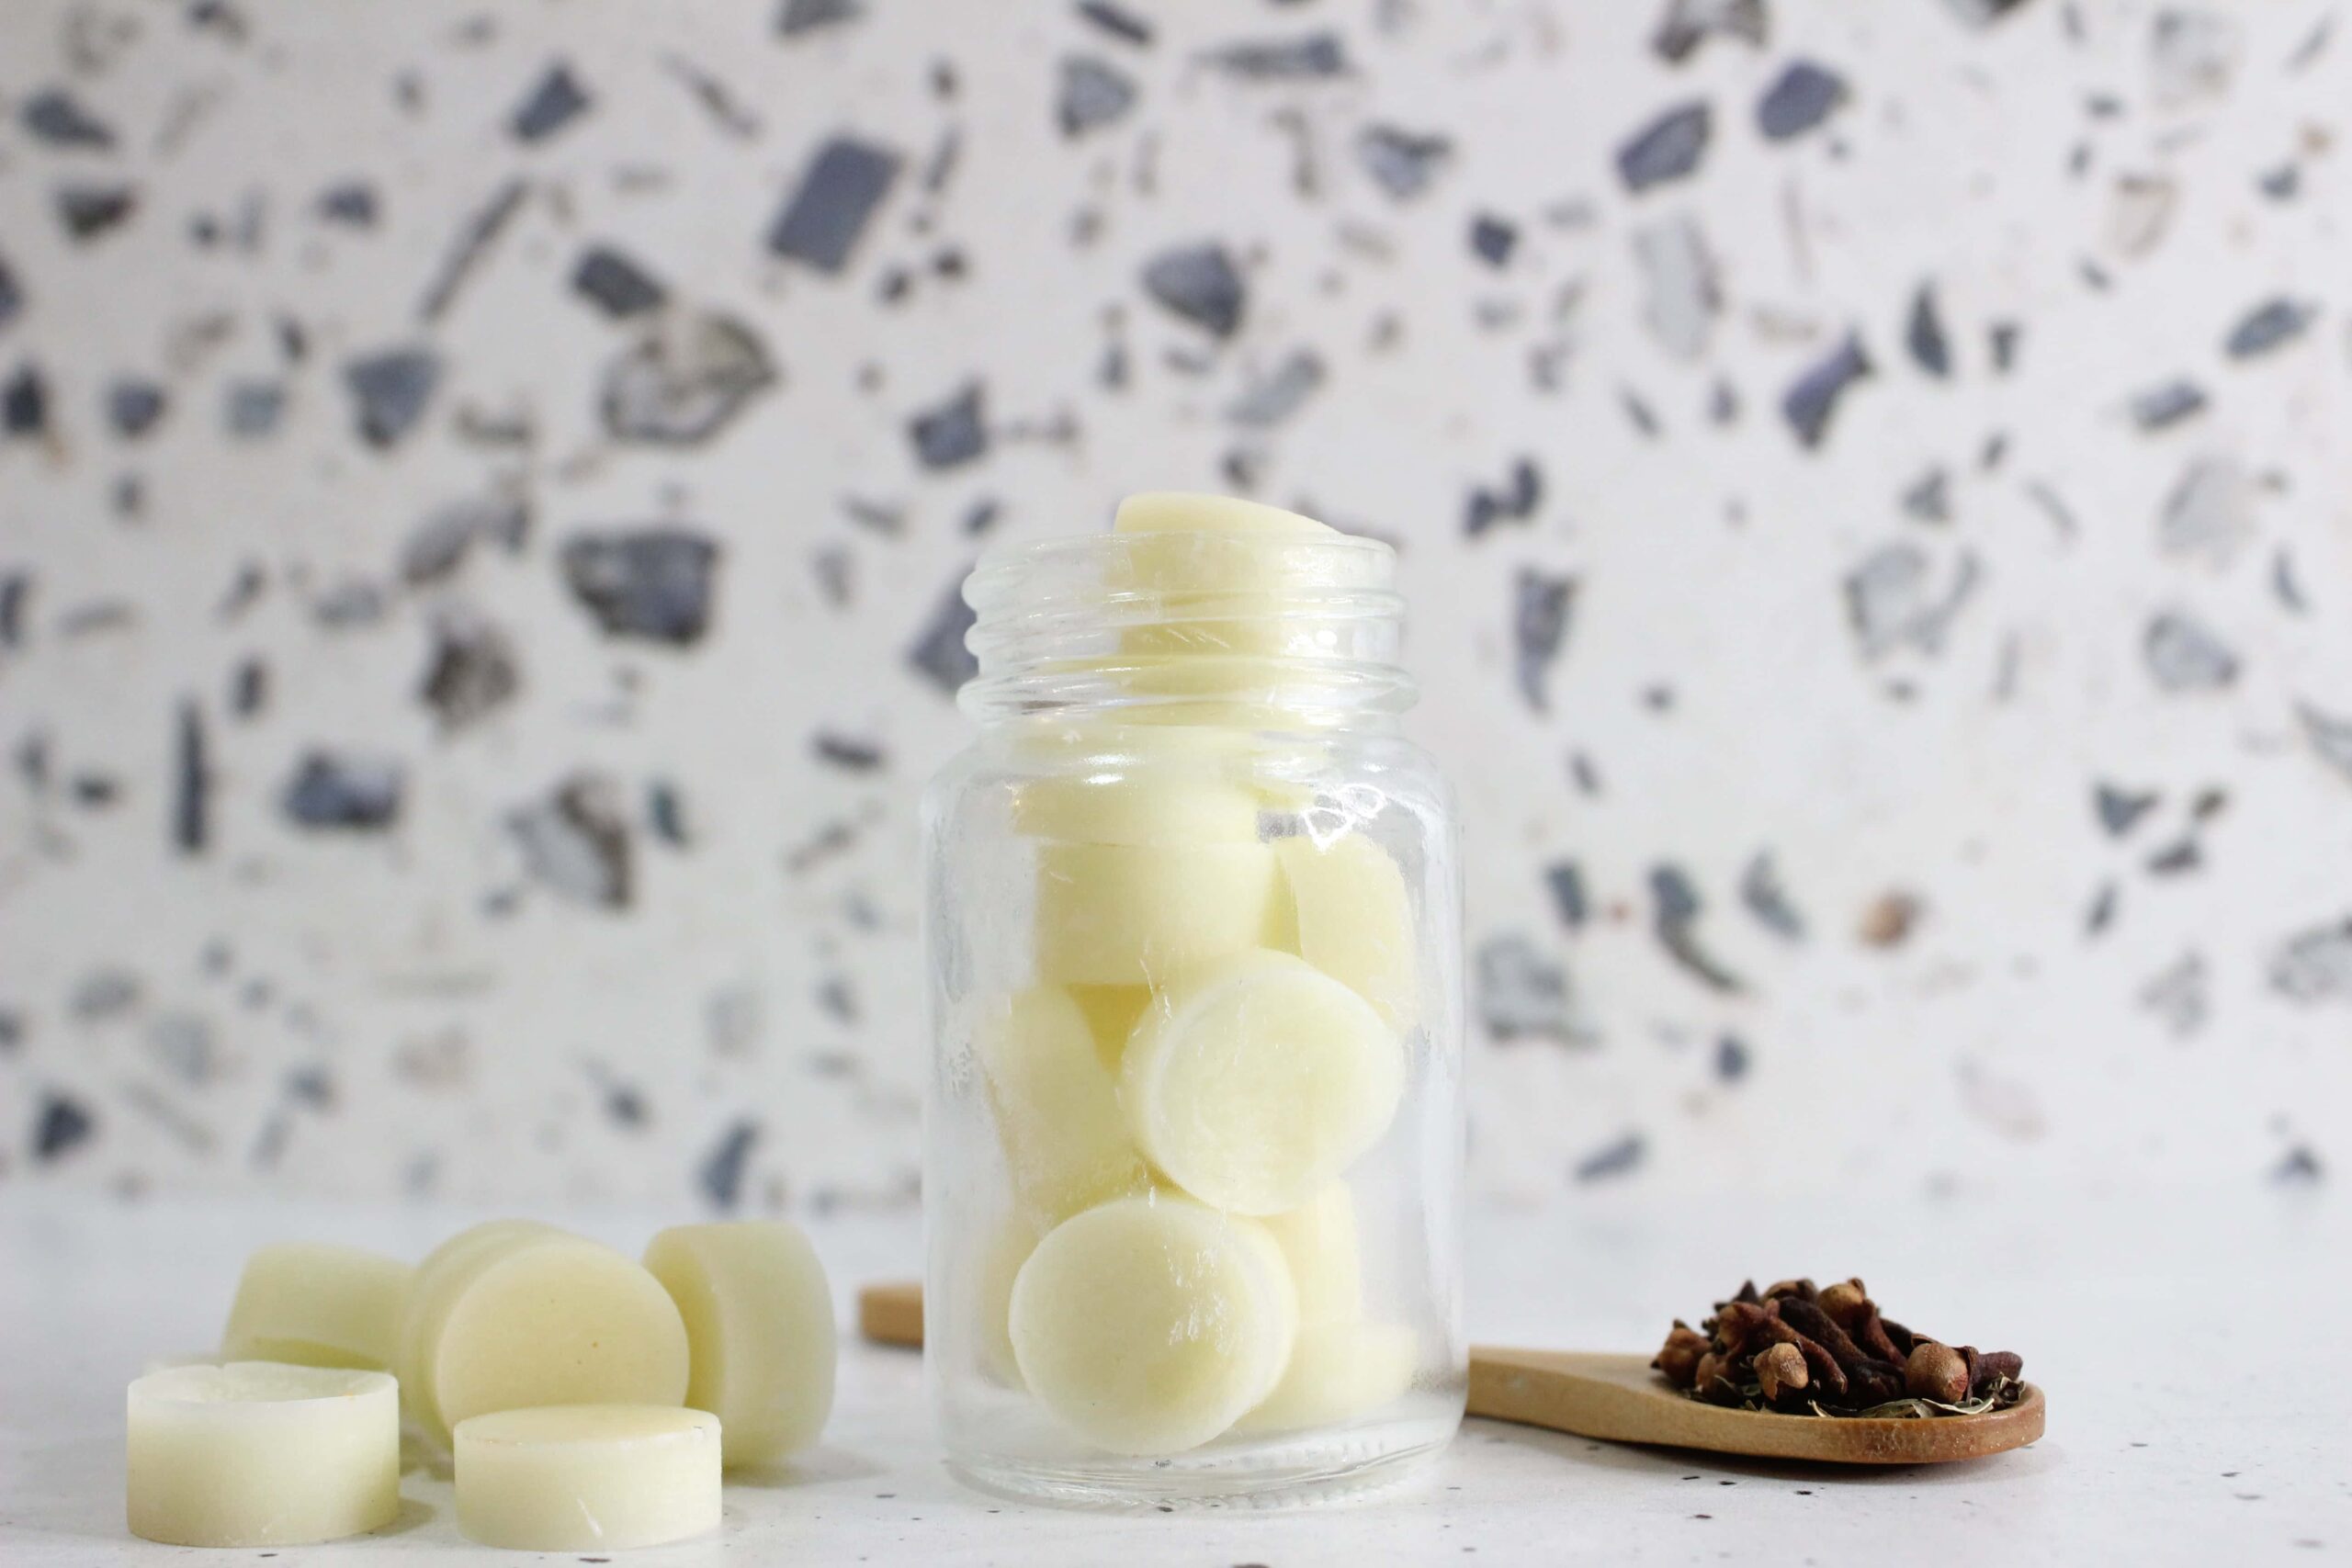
(1194, 1133)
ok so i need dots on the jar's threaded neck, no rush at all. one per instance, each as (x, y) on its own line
(1270, 631)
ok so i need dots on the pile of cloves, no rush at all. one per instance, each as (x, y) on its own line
(1797, 1348)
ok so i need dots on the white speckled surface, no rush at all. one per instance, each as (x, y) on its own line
(2190, 1415)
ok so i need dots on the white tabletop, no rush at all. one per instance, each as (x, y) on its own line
(2194, 1404)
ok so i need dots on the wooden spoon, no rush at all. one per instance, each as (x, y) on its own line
(1596, 1394)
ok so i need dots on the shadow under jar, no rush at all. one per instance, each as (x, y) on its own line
(1194, 1133)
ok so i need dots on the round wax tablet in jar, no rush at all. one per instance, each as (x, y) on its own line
(587, 1477)
(557, 1320)
(1336, 1371)
(758, 1330)
(1057, 1105)
(1354, 920)
(1319, 1242)
(255, 1453)
(1253, 1082)
(317, 1304)
(1137, 915)
(1150, 1325)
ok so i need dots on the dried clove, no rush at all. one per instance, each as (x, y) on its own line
(1845, 1302)
(1678, 1358)
(1781, 1370)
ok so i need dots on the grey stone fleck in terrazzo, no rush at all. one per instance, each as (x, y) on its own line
(191, 818)
(1733, 1058)
(2208, 511)
(1923, 335)
(16, 592)
(2101, 913)
(685, 379)
(553, 103)
(1492, 239)
(1929, 500)
(1682, 296)
(253, 408)
(1687, 24)
(576, 842)
(1200, 283)
(793, 17)
(2182, 655)
(1891, 599)
(1523, 993)
(1981, 13)
(2139, 211)
(1638, 411)
(2180, 856)
(1668, 148)
(53, 116)
(475, 237)
(351, 202)
(665, 810)
(2001, 340)
(2120, 809)
(2282, 183)
(1269, 401)
(12, 1031)
(436, 546)
(733, 1019)
(472, 669)
(1117, 21)
(951, 433)
(1621, 1157)
(837, 999)
(848, 753)
(2314, 965)
(2192, 55)
(389, 390)
(1812, 398)
(184, 1046)
(1485, 507)
(1565, 881)
(2331, 737)
(728, 112)
(837, 196)
(1675, 917)
(64, 1125)
(1761, 892)
(1401, 163)
(24, 403)
(2298, 1166)
(88, 211)
(104, 994)
(939, 652)
(1092, 94)
(2162, 407)
(333, 789)
(1543, 606)
(615, 284)
(720, 1175)
(1802, 96)
(11, 294)
(2270, 325)
(1307, 58)
(134, 407)
(654, 584)
(249, 689)
(2177, 995)
(351, 603)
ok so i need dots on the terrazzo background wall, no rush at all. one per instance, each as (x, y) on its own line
(483, 489)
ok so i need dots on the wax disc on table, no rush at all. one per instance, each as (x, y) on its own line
(1057, 1105)
(1354, 920)
(255, 1453)
(1111, 1013)
(1130, 915)
(446, 1271)
(1149, 1324)
(557, 1320)
(1255, 1081)
(317, 1304)
(1337, 1372)
(1319, 1242)
(1139, 802)
(758, 1328)
(588, 1477)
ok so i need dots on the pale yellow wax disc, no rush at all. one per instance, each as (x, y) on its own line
(1186, 512)
(1217, 571)
(1319, 1243)
(1354, 919)
(1252, 1082)
(1139, 801)
(557, 1320)
(255, 1453)
(446, 1271)
(588, 1478)
(1111, 1013)
(317, 1304)
(1149, 1324)
(1057, 1104)
(1131, 914)
(1336, 1371)
(759, 1327)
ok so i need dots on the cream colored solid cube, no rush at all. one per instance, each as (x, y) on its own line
(1057, 1105)
(588, 1478)
(256, 1453)
(1253, 1082)
(314, 1304)
(1149, 1324)
(1354, 919)
(1129, 915)
(759, 1320)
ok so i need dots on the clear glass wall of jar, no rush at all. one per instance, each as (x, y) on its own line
(1194, 1133)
